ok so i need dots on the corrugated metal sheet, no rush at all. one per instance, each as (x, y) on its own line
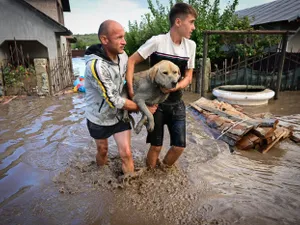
(280, 10)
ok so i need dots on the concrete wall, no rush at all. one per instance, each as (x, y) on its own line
(294, 43)
(16, 21)
(2, 56)
(80, 53)
(51, 8)
(3, 49)
(63, 44)
(33, 48)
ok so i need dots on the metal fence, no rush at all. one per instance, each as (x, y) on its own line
(273, 69)
(262, 70)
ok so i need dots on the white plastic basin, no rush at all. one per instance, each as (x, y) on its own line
(251, 97)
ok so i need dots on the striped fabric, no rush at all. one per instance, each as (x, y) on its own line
(103, 88)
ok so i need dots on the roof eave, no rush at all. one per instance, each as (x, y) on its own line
(64, 33)
(275, 21)
(293, 18)
(66, 5)
(71, 39)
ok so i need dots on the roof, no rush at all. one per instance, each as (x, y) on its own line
(64, 30)
(276, 11)
(66, 5)
(71, 39)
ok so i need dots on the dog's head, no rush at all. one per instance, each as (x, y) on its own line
(165, 73)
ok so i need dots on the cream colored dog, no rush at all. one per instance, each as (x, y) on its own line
(147, 86)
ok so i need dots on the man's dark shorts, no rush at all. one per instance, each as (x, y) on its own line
(103, 132)
(174, 116)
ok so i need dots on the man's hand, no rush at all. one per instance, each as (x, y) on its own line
(166, 91)
(152, 108)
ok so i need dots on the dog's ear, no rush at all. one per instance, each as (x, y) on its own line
(153, 72)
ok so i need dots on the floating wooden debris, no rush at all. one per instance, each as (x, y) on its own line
(9, 100)
(238, 129)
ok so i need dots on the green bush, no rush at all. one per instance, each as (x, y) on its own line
(15, 75)
(209, 18)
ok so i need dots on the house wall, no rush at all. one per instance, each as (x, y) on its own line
(52, 8)
(33, 48)
(294, 43)
(64, 44)
(2, 56)
(282, 25)
(2, 53)
(16, 21)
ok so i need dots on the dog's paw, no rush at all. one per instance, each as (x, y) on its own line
(138, 129)
(150, 127)
(126, 117)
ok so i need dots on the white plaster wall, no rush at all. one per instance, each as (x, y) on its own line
(294, 43)
(16, 21)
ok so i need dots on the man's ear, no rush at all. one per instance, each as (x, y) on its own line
(177, 22)
(103, 39)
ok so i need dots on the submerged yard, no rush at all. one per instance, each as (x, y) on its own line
(48, 174)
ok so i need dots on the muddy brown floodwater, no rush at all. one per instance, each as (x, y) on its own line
(48, 175)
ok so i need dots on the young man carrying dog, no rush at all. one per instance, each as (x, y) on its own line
(176, 47)
(106, 65)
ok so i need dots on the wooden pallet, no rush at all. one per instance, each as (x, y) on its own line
(238, 129)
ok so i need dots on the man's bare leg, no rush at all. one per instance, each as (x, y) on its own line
(123, 140)
(102, 149)
(172, 155)
(152, 156)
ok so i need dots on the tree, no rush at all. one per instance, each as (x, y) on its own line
(80, 44)
(209, 18)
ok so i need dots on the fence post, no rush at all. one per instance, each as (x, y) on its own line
(245, 72)
(2, 88)
(205, 47)
(198, 76)
(48, 68)
(42, 76)
(281, 65)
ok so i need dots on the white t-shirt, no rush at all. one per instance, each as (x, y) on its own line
(163, 44)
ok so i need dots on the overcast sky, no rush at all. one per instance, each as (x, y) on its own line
(86, 15)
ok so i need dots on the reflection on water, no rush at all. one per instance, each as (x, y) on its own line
(78, 66)
(48, 175)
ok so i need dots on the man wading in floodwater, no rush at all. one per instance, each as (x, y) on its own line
(176, 47)
(106, 65)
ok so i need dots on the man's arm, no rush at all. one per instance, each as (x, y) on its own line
(130, 105)
(132, 61)
(101, 80)
(187, 80)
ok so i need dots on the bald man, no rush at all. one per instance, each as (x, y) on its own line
(106, 65)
